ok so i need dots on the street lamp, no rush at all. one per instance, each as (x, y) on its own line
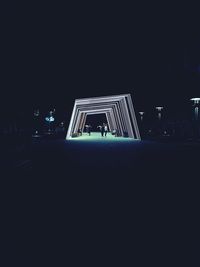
(141, 115)
(196, 102)
(36, 114)
(50, 119)
(159, 109)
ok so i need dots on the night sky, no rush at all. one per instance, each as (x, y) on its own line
(52, 54)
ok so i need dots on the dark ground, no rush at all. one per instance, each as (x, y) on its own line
(146, 193)
(107, 166)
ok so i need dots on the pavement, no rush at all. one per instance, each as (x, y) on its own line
(103, 190)
(146, 168)
(112, 164)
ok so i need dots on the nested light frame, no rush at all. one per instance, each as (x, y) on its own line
(118, 109)
(109, 116)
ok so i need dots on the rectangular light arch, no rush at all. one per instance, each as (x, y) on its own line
(119, 109)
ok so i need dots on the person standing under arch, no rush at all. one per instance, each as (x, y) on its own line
(102, 129)
(105, 129)
(88, 129)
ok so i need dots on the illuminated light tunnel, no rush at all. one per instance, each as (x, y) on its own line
(118, 109)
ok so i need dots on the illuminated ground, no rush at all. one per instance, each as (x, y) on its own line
(96, 136)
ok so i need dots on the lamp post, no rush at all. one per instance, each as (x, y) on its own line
(36, 114)
(159, 109)
(50, 119)
(141, 115)
(196, 104)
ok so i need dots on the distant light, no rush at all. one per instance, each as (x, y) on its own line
(159, 108)
(159, 112)
(141, 115)
(195, 99)
(49, 119)
(36, 113)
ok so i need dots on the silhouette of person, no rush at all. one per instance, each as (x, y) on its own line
(79, 132)
(89, 129)
(99, 128)
(102, 130)
(105, 129)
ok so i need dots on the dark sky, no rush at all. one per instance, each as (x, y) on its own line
(52, 54)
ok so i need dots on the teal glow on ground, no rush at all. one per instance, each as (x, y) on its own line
(96, 136)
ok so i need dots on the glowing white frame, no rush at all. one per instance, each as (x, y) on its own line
(119, 109)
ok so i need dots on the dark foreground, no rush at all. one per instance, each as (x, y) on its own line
(144, 192)
(106, 166)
